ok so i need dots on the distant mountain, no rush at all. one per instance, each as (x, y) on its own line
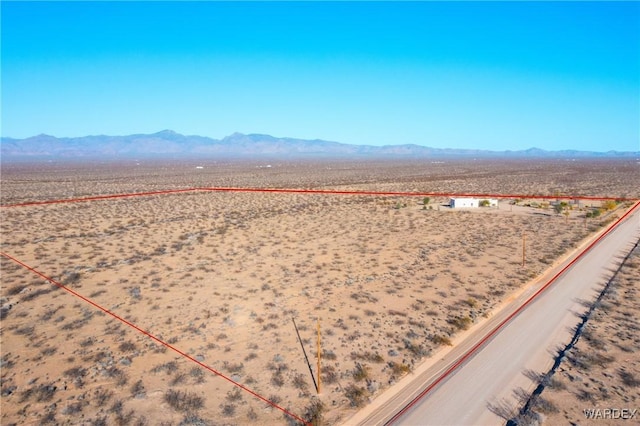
(168, 143)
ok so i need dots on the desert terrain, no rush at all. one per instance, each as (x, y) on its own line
(221, 275)
(598, 379)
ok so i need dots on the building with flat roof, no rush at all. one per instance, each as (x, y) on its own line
(466, 202)
(457, 203)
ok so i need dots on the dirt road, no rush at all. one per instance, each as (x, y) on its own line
(485, 385)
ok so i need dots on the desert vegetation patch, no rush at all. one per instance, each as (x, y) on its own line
(220, 275)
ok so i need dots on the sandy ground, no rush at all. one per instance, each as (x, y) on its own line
(221, 275)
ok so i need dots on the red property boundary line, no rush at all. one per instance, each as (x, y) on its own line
(98, 197)
(151, 336)
(303, 191)
(314, 191)
(493, 332)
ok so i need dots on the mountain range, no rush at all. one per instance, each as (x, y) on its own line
(168, 143)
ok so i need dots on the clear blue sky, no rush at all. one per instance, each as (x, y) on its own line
(502, 75)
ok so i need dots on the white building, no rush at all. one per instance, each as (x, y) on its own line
(457, 203)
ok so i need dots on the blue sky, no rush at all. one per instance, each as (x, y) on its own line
(500, 75)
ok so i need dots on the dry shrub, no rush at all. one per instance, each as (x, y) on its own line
(356, 395)
(399, 369)
(313, 414)
(441, 340)
(360, 372)
(183, 401)
(461, 323)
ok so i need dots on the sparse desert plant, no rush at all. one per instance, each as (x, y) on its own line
(276, 399)
(399, 369)
(123, 419)
(183, 401)
(329, 374)
(558, 208)
(585, 395)
(138, 390)
(629, 379)
(415, 348)
(228, 410)
(374, 357)
(119, 375)
(192, 419)
(252, 415)
(439, 339)
(197, 374)
(74, 408)
(313, 413)
(87, 342)
(76, 374)
(277, 378)
(49, 418)
(360, 372)
(587, 360)
(234, 395)
(127, 347)
(593, 213)
(167, 367)
(178, 378)
(544, 406)
(329, 355)
(16, 289)
(48, 351)
(102, 396)
(299, 382)
(471, 302)
(233, 367)
(556, 384)
(42, 393)
(356, 395)
(461, 323)
(26, 330)
(117, 406)
(70, 278)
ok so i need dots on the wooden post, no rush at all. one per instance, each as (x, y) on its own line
(523, 248)
(319, 352)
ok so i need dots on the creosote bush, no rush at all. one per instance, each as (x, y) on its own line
(399, 369)
(441, 340)
(360, 372)
(461, 323)
(356, 395)
(314, 412)
(183, 401)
